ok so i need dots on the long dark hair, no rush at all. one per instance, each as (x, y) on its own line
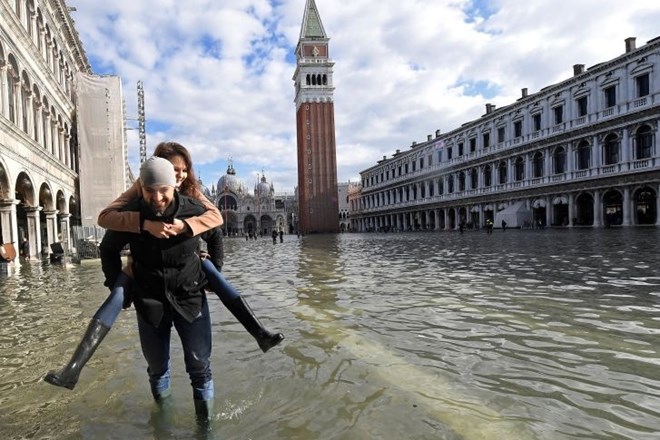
(167, 150)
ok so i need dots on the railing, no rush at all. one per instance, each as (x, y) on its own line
(608, 169)
(581, 120)
(644, 163)
(640, 102)
(558, 177)
(607, 112)
(557, 128)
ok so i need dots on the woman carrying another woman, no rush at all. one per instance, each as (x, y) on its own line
(114, 219)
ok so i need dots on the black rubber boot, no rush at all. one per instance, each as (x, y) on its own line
(242, 311)
(67, 377)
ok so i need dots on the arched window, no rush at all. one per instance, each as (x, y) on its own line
(559, 161)
(28, 18)
(501, 171)
(520, 169)
(441, 187)
(450, 184)
(25, 94)
(44, 123)
(40, 25)
(461, 181)
(611, 149)
(308, 80)
(36, 113)
(537, 165)
(474, 178)
(644, 142)
(12, 80)
(488, 176)
(583, 155)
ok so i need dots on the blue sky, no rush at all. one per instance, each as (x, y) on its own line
(218, 74)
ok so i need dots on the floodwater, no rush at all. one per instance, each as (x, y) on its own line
(538, 334)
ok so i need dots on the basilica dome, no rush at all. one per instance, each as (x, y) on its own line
(263, 189)
(203, 188)
(230, 183)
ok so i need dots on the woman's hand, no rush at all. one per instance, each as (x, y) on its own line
(165, 230)
(158, 229)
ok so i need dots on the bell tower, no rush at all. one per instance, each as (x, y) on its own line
(318, 209)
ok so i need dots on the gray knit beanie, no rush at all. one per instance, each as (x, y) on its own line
(157, 171)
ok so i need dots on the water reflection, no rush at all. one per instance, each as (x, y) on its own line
(517, 335)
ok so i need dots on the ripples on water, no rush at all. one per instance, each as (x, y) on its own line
(515, 335)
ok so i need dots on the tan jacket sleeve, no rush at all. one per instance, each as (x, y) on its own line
(209, 220)
(126, 221)
(115, 220)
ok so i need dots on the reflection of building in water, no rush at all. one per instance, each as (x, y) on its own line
(45, 161)
(258, 212)
(582, 152)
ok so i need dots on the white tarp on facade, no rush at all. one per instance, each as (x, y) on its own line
(100, 123)
(514, 216)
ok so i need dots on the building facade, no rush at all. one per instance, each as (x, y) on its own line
(40, 55)
(582, 152)
(344, 190)
(41, 62)
(315, 121)
(250, 213)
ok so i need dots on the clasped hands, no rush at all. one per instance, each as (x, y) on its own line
(165, 230)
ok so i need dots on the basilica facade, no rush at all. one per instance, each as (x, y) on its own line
(255, 212)
(582, 152)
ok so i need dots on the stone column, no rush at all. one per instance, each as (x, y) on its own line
(51, 228)
(598, 210)
(4, 105)
(446, 211)
(626, 206)
(8, 221)
(625, 149)
(34, 231)
(37, 123)
(657, 205)
(597, 152)
(54, 148)
(18, 103)
(548, 211)
(571, 209)
(480, 223)
(48, 132)
(29, 113)
(60, 141)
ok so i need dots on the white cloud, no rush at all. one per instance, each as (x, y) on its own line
(217, 75)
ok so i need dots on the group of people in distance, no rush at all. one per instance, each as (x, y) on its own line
(162, 217)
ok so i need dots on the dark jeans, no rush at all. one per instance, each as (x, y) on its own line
(110, 309)
(196, 341)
